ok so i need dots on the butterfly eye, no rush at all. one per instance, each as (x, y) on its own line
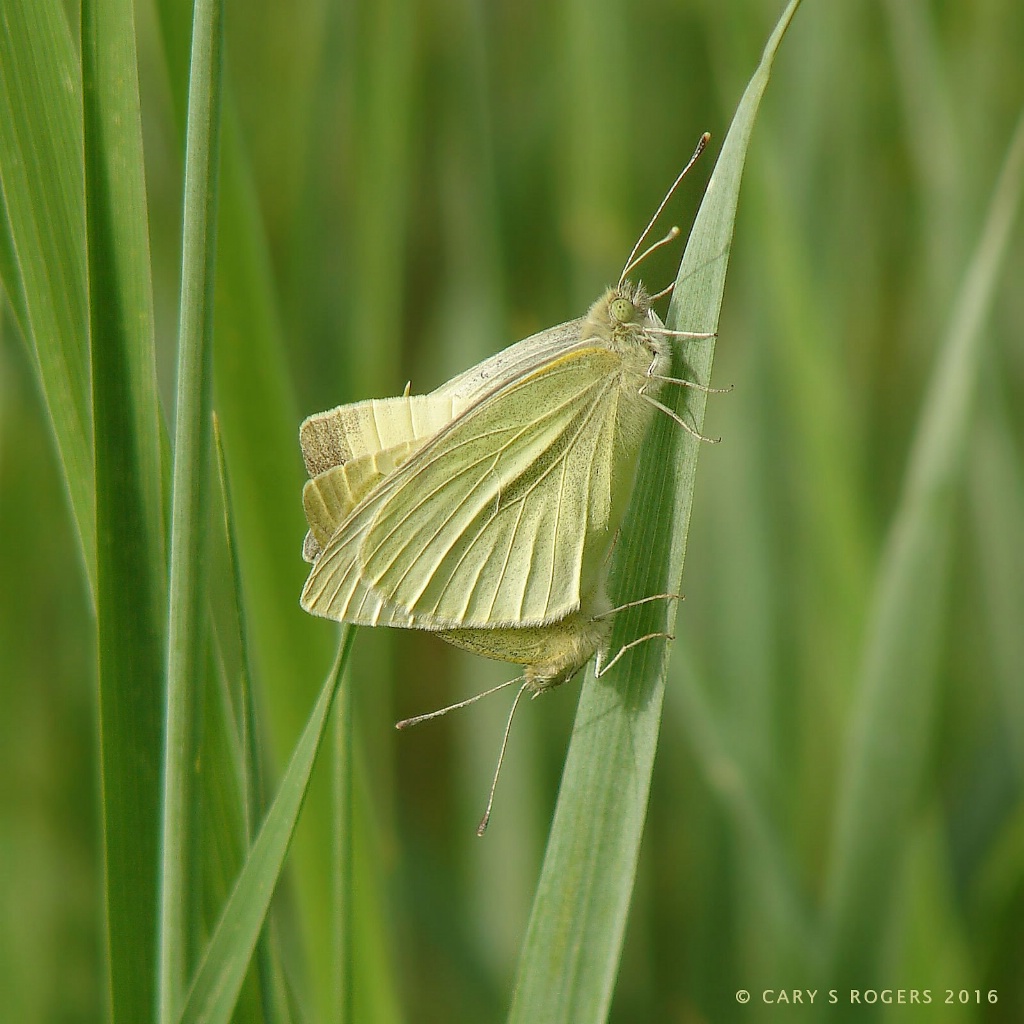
(623, 310)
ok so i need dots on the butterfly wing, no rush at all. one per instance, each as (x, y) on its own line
(510, 364)
(389, 430)
(348, 432)
(488, 523)
(329, 498)
(349, 448)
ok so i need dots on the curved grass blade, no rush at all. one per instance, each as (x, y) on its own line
(258, 417)
(997, 514)
(889, 739)
(570, 958)
(41, 180)
(724, 775)
(186, 622)
(241, 711)
(215, 987)
(131, 575)
(12, 290)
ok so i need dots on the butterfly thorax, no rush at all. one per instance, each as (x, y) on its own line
(622, 321)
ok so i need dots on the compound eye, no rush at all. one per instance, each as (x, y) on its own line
(623, 310)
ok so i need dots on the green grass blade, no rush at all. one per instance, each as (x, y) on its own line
(385, 93)
(41, 179)
(242, 707)
(570, 958)
(131, 584)
(931, 941)
(997, 514)
(215, 988)
(343, 875)
(595, 175)
(244, 715)
(191, 471)
(11, 286)
(723, 769)
(259, 418)
(934, 140)
(889, 737)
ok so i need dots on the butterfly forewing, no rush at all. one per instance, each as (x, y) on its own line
(501, 542)
(511, 363)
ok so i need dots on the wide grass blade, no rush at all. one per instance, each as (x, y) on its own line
(131, 575)
(723, 770)
(186, 621)
(889, 740)
(571, 954)
(997, 513)
(41, 178)
(222, 969)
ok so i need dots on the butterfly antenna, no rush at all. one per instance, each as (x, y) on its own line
(482, 827)
(406, 722)
(704, 140)
(673, 234)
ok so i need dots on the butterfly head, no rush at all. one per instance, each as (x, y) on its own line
(623, 317)
(628, 304)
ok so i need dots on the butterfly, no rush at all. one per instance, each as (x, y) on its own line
(486, 511)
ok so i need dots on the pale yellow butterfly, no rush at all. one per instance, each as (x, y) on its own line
(484, 511)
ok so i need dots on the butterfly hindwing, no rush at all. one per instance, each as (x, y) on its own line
(329, 498)
(339, 435)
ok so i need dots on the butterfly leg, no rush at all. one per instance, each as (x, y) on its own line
(686, 426)
(688, 335)
(602, 669)
(633, 604)
(692, 384)
(417, 719)
(482, 827)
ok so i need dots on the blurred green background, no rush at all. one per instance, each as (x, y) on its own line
(405, 189)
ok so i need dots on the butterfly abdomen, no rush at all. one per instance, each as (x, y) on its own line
(550, 655)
